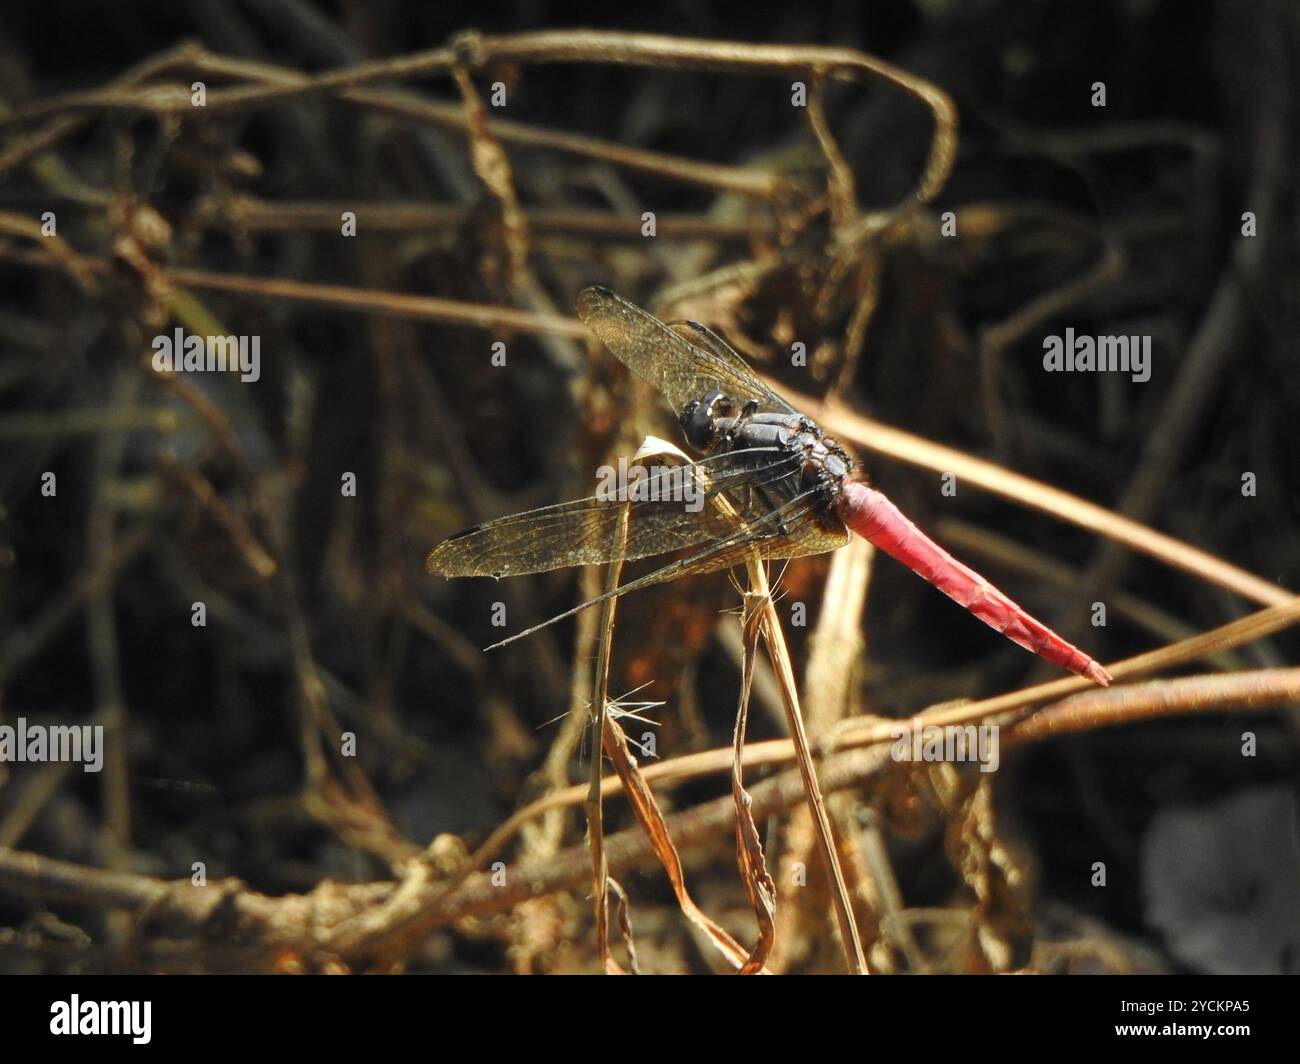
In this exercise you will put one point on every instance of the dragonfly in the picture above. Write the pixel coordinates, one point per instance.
(769, 483)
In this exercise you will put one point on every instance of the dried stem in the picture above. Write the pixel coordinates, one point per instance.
(780, 657)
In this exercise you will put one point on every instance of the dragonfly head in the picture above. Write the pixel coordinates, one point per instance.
(700, 417)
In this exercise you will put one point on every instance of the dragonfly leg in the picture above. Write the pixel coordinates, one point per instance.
(781, 528)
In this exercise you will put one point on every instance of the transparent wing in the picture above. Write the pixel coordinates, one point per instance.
(792, 530)
(683, 361)
(671, 508)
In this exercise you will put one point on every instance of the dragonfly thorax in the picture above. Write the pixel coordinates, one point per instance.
(718, 423)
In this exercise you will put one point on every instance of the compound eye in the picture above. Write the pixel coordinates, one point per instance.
(697, 423)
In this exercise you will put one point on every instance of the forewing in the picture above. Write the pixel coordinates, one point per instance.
(729, 489)
(681, 369)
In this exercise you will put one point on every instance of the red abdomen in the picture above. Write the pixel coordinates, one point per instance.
(872, 516)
